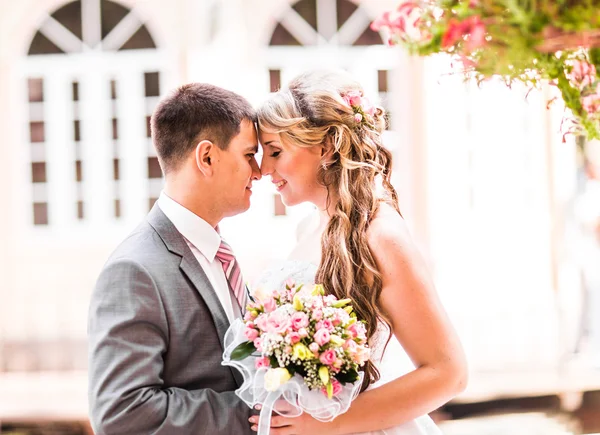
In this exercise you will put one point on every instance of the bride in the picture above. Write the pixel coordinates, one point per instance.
(322, 143)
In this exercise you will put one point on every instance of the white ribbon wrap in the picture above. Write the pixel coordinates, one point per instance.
(295, 392)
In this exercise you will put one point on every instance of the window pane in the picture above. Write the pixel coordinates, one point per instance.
(78, 171)
(369, 37)
(40, 213)
(152, 84)
(42, 45)
(115, 128)
(148, 126)
(38, 172)
(75, 91)
(382, 80)
(140, 39)
(282, 37)
(154, 168)
(76, 130)
(113, 90)
(275, 79)
(116, 166)
(36, 132)
(112, 13)
(70, 17)
(117, 208)
(345, 9)
(307, 9)
(36, 90)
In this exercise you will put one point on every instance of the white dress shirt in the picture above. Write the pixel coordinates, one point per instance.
(204, 242)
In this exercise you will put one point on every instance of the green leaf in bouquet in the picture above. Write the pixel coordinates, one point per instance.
(243, 351)
(273, 361)
(348, 377)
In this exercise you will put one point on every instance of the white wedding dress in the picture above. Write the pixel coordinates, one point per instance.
(391, 361)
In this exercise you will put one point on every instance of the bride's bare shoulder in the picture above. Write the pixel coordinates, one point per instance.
(388, 226)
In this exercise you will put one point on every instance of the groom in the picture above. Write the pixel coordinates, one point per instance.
(168, 293)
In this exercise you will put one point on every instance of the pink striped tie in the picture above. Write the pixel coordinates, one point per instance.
(233, 274)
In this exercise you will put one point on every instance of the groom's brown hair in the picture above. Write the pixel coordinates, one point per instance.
(196, 112)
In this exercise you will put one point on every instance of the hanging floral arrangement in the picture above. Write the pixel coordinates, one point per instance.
(524, 41)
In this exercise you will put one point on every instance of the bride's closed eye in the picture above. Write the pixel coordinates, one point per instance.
(275, 153)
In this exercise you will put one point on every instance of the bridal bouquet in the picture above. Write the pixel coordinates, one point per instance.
(298, 344)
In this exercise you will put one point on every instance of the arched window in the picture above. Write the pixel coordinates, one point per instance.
(330, 33)
(93, 77)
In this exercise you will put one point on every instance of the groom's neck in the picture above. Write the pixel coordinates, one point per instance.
(187, 195)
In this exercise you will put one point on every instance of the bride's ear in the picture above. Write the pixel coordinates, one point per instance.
(205, 157)
(327, 152)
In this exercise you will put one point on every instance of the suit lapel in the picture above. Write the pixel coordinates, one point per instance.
(191, 268)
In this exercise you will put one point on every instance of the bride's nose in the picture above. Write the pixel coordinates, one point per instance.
(266, 166)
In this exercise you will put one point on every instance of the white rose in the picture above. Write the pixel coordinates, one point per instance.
(274, 378)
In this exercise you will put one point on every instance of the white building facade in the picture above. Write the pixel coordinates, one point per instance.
(476, 169)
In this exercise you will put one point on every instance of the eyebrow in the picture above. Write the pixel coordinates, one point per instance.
(253, 148)
(270, 142)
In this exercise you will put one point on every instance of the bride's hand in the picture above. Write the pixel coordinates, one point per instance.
(301, 425)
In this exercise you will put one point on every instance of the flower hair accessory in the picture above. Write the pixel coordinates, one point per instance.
(364, 111)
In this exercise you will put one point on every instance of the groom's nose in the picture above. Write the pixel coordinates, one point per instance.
(256, 174)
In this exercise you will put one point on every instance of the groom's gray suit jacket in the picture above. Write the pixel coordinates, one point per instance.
(155, 332)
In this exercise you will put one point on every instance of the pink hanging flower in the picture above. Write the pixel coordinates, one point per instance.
(582, 74)
(453, 33)
(475, 31)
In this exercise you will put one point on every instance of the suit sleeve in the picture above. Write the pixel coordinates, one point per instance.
(127, 332)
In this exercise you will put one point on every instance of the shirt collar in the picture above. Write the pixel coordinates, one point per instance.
(191, 226)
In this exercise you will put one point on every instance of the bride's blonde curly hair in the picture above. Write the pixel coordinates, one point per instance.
(312, 111)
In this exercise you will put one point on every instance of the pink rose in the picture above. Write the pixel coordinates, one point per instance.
(453, 34)
(258, 344)
(357, 117)
(251, 333)
(337, 388)
(303, 332)
(262, 362)
(322, 337)
(261, 322)
(278, 323)
(327, 357)
(362, 355)
(294, 337)
(350, 346)
(270, 305)
(317, 314)
(313, 347)
(327, 324)
(299, 320)
(250, 315)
